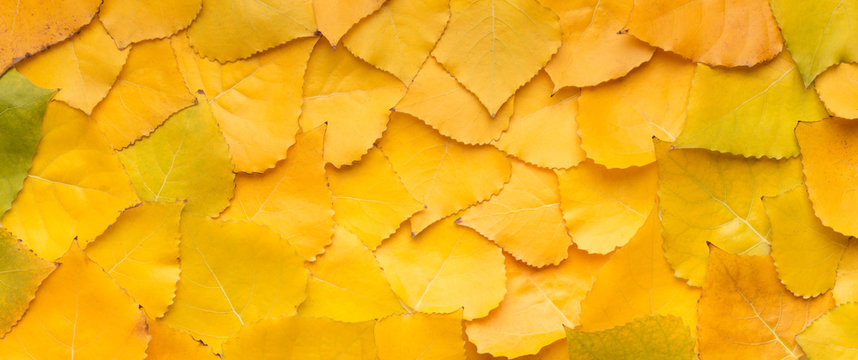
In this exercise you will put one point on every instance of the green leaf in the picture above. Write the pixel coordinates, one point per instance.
(22, 106)
(21, 272)
(187, 158)
(651, 337)
(818, 33)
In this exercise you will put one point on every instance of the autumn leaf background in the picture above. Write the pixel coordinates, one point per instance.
(428, 179)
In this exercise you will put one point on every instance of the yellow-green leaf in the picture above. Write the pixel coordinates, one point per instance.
(184, 159)
(21, 273)
(651, 338)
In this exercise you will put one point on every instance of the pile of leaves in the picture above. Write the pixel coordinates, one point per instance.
(428, 179)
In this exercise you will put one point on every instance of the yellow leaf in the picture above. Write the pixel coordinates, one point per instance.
(336, 17)
(228, 30)
(617, 120)
(297, 337)
(409, 29)
(637, 281)
(78, 313)
(141, 252)
(558, 350)
(352, 97)
(829, 156)
(746, 313)
(256, 101)
(346, 283)
(846, 283)
(805, 252)
(604, 208)
(442, 103)
(130, 21)
(233, 274)
(833, 335)
(83, 67)
(749, 111)
(420, 336)
(836, 88)
(524, 218)
(75, 189)
(495, 47)
(291, 198)
(539, 114)
(32, 25)
(184, 159)
(447, 176)
(708, 197)
(149, 89)
(592, 52)
(170, 344)
(538, 304)
(369, 199)
(651, 337)
(444, 268)
(715, 32)
(21, 273)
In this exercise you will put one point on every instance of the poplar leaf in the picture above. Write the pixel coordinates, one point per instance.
(21, 273)
(229, 282)
(32, 25)
(79, 312)
(75, 189)
(714, 32)
(447, 176)
(495, 47)
(652, 337)
(84, 67)
(184, 159)
(336, 17)
(170, 344)
(444, 268)
(846, 282)
(833, 335)
(22, 107)
(131, 21)
(837, 91)
(291, 198)
(420, 336)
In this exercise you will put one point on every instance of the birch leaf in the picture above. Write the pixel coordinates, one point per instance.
(406, 28)
(593, 48)
(495, 47)
(707, 197)
(346, 283)
(829, 158)
(336, 17)
(184, 159)
(21, 273)
(22, 107)
(292, 198)
(229, 282)
(420, 336)
(714, 32)
(444, 268)
(745, 311)
(637, 281)
(617, 120)
(447, 176)
(228, 30)
(805, 252)
(524, 218)
(352, 97)
(442, 103)
(141, 252)
(757, 118)
(131, 21)
(32, 25)
(369, 199)
(538, 304)
(817, 34)
(75, 189)
(149, 89)
(604, 208)
(83, 67)
(548, 116)
(256, 101)
(79, 312)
